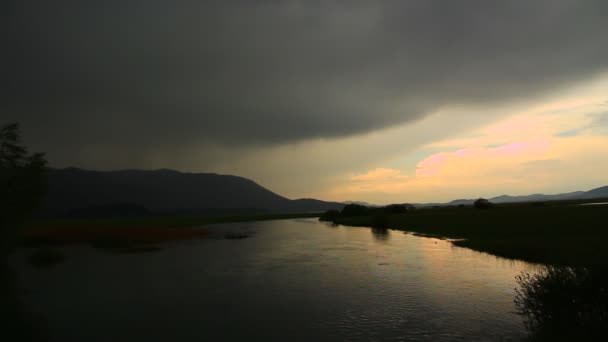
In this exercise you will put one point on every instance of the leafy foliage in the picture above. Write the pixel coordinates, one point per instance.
(564, 302)
(355, 210)
(380, 221)
(22, 182)
(330, 215)
(396, 209)
(482, 203)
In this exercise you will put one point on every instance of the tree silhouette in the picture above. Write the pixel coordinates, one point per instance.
(482, 203)
(354, 210)
(22, 183)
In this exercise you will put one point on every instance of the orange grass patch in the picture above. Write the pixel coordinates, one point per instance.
(128, 233)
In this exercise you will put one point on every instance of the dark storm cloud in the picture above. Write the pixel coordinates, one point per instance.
(153, 73)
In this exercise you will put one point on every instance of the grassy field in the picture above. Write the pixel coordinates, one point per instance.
(131, 231)
(562, 233)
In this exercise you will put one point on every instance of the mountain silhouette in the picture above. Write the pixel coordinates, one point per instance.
(537, 197)
(596, 193)
(84, 193)
(76, 191)
(601, 192)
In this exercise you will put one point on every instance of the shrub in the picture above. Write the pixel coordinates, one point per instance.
(566, 303)
(482, 203)
(330, 215)
(355, 210)
(395, 209)
(380, 221)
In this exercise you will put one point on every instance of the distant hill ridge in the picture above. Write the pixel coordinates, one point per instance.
(601, 192)
(167, 191)
(596, 193)
(79, 192)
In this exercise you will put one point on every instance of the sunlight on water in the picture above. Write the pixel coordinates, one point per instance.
(293, 280)
(599, 203)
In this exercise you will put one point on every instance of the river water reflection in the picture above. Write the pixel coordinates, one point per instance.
(292, 280)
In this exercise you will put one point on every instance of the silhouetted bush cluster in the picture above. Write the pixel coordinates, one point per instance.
(330, 215)
(564, 303)
(380, 221)
(355, 210)
(379, 216)
(482, 203)
(395, 209)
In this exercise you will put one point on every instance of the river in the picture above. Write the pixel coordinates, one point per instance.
(292, 280)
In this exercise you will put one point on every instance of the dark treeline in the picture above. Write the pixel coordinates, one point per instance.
(379, 215)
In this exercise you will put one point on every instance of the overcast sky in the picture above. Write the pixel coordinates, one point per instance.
(381, 101)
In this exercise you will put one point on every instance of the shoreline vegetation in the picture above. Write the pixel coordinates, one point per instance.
(120, 233)
(555, 233)
(124, 236)
(563, 233)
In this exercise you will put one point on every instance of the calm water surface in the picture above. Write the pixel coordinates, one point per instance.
(294, 280)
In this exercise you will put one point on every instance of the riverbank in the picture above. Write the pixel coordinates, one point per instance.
(131, 231)
(560, 234)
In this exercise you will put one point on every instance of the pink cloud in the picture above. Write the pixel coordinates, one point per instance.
(458, 164)
(379, 174)
(535, 160)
